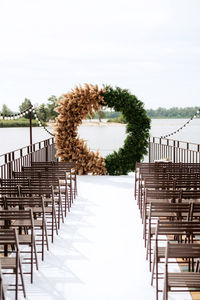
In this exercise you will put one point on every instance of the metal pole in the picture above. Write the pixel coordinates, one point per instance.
(149, 149)
(31, 135)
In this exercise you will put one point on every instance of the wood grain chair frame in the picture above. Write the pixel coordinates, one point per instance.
(64, 174)
(58, 178)
(54, 182)
(182, 231)
(143, 170)
(161, 196)
(166, 211)
(14, 182)
(2, 288)
(39, 218)
(9, 191)
(181, 281)
(49, 202)
(22, 220)
(12, 263)
(63, 165)
(176, 184)
(185, 197)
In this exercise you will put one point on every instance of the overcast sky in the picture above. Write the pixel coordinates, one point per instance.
(151, 47)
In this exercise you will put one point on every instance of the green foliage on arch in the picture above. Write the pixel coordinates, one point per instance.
(137, 129)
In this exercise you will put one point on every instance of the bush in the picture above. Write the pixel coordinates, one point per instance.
(120, 119)
(22, 122)
(138, 126)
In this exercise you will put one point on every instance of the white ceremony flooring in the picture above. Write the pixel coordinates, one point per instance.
(99, 253)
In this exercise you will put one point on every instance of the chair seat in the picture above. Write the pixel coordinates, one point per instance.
(164, 214)
(161, 252)
(24, 239)
(48, 209)
(38, 223)
(8, 262)
(37, 210)
(21, 222)
(184, 279)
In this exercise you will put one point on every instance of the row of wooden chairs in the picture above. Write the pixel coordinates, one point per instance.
(33, 203)
(173, 178)
(168, 196)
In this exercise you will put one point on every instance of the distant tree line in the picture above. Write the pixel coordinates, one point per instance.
(172, 113)
(159, 113)
(46, 111)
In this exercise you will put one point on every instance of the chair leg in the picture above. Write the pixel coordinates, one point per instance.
(153, 269)
(62, 214)
(46, 236)
(35, 252)
(156, 265)
(56, 224)
(22, 278)
(67, 200)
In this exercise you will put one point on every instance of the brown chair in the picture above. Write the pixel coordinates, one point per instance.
(164, 171)
(161, 196)
(12, 182)
(39, 218)
(181, 231)
(9, 240)
(49, 202)
(2, 288)
(9, 191)
(181, 281)
(23, 221)
(166, 211)
(66, 165)
(60, 180)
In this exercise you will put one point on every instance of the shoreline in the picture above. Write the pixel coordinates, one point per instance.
(97, 123)
(94, 123)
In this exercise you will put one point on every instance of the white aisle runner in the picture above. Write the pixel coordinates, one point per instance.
(99, 253)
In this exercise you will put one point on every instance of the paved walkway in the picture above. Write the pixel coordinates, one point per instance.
(99, 253)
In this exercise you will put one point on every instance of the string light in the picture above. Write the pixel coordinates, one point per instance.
(183, 126)
(16, 116)
(40, 123)
(24, 113)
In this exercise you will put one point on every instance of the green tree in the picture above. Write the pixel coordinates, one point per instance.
(5, 110)
(42, 112)
(51, 105)
(101, 115)
(25, 104)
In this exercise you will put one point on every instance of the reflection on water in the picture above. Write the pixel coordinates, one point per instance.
(104, 138)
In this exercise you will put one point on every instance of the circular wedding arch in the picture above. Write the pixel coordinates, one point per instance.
(74, 106)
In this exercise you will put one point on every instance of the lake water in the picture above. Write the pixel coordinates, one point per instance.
(103, 138)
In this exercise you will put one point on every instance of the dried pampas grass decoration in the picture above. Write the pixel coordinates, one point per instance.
(73, 108)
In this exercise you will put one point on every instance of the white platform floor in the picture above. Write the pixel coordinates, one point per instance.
(99, 253)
